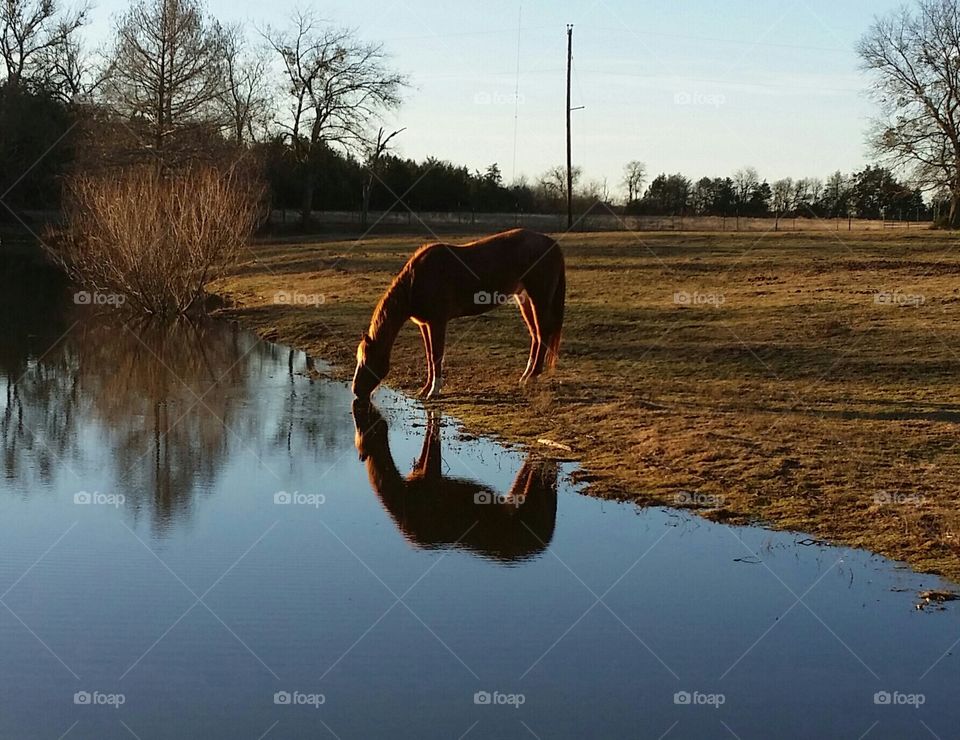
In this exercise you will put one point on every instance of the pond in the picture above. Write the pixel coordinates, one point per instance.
(200, 536)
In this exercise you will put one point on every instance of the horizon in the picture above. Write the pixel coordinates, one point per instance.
(702, 89)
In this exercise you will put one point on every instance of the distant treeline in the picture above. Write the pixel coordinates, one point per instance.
(436, 185)
(300, 109)
(872, 193)
(40, 135)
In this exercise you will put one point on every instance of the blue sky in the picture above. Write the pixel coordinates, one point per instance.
(690, 86)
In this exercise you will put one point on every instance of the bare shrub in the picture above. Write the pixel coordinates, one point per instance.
(155, 236)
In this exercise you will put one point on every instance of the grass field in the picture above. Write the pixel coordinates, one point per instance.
(807, 381)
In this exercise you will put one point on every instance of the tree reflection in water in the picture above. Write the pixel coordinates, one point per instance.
(163, 405)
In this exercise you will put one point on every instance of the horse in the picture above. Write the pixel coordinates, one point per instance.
(433, 511)
(445, 281)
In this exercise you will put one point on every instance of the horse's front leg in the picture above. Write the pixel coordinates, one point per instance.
(438, 337)
(425, 334)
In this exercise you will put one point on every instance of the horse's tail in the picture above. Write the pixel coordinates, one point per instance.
(557, 304)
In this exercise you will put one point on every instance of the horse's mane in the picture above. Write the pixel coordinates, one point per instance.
(394, 307)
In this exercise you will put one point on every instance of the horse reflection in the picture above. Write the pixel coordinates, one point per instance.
(433, 511)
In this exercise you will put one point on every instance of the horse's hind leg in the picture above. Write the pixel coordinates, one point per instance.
(530, 319)
(545, 324)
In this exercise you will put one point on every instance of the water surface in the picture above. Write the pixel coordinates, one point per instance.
(187, 531)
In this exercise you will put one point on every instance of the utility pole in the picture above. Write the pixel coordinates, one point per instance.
(569, 155)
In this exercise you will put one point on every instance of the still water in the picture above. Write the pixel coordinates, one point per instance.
(192, 546)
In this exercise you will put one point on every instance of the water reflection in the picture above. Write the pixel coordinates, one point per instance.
(171, 380)
(149, 410)
(200, 426)
(434, 510)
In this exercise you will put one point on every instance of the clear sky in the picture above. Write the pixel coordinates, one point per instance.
(693, 86)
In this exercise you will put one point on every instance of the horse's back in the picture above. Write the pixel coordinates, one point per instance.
(462, 280)
(523, 242)
(506, 253)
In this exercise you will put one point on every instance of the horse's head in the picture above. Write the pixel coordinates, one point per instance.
(373, 364)
(370, 430)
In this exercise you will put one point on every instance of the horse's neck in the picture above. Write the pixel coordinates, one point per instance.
(391, 314)
(382, 471)
(385, 334)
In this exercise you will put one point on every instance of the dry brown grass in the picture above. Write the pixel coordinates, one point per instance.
(799, 401)
(153, 237)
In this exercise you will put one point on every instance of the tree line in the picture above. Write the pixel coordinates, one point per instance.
(302, 106)
(872, 193)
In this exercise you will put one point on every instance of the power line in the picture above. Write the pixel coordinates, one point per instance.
(516, 98)
(569, 153)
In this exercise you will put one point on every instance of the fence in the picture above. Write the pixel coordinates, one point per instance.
(549, 222)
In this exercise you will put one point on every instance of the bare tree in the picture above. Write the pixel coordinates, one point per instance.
(166, 71)
(784, 192)
(914, 55)
(375, 152)
(597, 191)
(337, 86)
(246, 92)
(813, 192)
(802, 188)
(745, 180)
(29, 31)
(634, 175)
(553, 183)
(67, 69)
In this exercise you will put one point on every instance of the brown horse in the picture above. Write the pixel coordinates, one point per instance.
(435, 511)
(443, 281)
